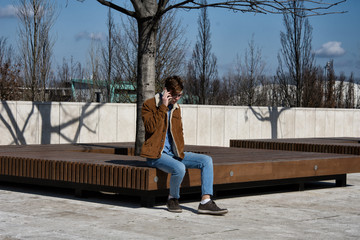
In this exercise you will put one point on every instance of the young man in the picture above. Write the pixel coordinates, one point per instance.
(164, 147)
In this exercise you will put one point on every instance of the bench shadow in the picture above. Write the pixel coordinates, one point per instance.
(276, 189)
(133, 163)
(106, 198)
(134, 202)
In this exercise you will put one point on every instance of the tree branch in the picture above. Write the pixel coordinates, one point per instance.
(266, 6)
(178, 5)
(117, 8)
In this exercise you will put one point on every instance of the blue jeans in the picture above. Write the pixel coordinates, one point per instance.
(177, 168)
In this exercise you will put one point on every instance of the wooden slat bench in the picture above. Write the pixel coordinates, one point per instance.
(113, 168)
(341, 145)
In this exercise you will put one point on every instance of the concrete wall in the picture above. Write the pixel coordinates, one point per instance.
(45, 123)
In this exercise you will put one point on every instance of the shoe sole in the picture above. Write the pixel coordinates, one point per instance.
(222, 212)
(174, 210)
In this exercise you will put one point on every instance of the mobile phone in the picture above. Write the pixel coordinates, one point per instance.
(163, 92)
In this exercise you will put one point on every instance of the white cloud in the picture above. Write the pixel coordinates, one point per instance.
(90, 36)
(8, 11)
(330, 50)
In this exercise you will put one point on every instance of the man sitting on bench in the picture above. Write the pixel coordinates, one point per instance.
(164, 147)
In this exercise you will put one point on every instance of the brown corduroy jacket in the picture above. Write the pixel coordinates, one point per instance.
(155, 118)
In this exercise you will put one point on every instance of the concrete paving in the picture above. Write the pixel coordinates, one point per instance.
(321, 212)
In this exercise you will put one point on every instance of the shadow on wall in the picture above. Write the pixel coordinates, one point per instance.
(272, 116)
(47, 129)
(12, 126)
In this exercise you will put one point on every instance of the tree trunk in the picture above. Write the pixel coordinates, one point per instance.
(145, 73)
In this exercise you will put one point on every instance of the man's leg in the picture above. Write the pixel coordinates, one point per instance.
(170, 165)
(205, 164)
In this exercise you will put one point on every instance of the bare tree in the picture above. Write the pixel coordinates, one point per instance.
(108, 52)
(125, 58)
(93, 79)
(296, 53)
(69, 69)
(170, 50)
(340, 86)
(148, 14)
(221, 92)
(349, 98)
(264, 91)
(251, 75)
(230, 88)
(190, 87)
(313, 90)
(9, 73)
(36, 20)
(274, 93)
(66, 72)
(330, 79)
(203, 60)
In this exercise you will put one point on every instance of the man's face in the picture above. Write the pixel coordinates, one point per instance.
(175, 96)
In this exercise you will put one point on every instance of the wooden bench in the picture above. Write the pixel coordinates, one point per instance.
(340, 145)
(113, 168)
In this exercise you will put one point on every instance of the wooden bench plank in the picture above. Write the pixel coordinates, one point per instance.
(324, 145)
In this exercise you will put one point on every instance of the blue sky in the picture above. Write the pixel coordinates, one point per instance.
(335, 37)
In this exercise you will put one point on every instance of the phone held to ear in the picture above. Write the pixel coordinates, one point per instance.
(169, 96)
(163, 93)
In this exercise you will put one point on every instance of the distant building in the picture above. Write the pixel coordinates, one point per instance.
(89, 90)
(51, 94)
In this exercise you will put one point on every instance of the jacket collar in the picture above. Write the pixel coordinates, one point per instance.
(158, 101)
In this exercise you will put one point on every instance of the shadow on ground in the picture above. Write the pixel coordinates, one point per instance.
(134, 201)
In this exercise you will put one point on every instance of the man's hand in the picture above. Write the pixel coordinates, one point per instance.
(166, 98)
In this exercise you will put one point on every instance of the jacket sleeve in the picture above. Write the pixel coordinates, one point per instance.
(152, 116)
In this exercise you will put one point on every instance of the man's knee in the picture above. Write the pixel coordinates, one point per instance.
(180, 170)
(208, 160)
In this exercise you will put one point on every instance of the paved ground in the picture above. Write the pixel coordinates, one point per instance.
(321, 212)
